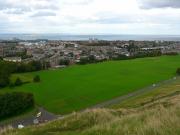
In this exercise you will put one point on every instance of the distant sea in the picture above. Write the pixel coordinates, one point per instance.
(87, 37)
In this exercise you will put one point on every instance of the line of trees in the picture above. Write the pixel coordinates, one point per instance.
(171, 53)
(89, 60)
(92, 59)
(7, 68)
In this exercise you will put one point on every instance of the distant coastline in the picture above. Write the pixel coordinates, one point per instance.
(70, 37)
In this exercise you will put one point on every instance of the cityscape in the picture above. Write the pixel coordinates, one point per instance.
(89, 67)
(57, 54)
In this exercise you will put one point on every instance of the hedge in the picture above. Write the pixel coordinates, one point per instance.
(15, 103)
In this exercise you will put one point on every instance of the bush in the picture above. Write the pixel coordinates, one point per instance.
(11, 84)
(178, 71)
(4, 80)
(84, 60)
(64, 62)
(171, 53)
(4, 74)
(15, 103)
(36, 79)
(18, 82)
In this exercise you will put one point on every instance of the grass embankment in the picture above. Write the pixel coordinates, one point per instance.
(78, 87)
(158, 119)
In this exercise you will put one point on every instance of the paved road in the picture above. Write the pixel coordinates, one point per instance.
(45, 117)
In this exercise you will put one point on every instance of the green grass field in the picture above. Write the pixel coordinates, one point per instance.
(162, 91)
(78, 87)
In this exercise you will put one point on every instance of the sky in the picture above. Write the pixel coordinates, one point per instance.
(154, 17)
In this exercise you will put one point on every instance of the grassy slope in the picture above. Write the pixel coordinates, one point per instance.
(154, 120)
(158, 93)
(77, 87)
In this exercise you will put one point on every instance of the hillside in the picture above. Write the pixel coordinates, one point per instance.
(161, 117)
(78, 87)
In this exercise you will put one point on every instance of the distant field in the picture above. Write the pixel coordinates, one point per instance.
(78, 87)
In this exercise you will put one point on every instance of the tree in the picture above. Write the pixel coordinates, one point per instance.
(36, 65)
(178, 71)
(18, 82)
(92, 59)
(15, 103)
(84, 60)
(4, 80)
(4, 77)
(64, 62)
(36, 79)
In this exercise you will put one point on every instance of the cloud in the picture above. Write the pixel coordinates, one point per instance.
(17, 11)
(149, 4)
(78, 2)
(43, 14)
(23, 6)
(90, 16)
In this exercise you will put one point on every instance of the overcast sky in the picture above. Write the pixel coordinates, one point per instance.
(90, 16)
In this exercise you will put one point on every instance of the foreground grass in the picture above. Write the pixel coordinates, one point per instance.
(78, 87)
(158, 119)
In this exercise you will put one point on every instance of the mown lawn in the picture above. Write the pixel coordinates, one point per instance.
(78, 87)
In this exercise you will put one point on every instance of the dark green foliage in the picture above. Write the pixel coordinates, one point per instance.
(89, 59)
(178, 71)
(171, 53)
(30, 67)
(92, 59)
(4, 80)
(11, 84)
(4, 77)
(121, 57)
(7, 68)
(36, 79)
(4, 74)
(64, 62)
(154, 53)
(15, 103)
(18, 82)
(138, 55)
(84, 60)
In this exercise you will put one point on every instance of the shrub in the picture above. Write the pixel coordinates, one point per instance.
(171, 53)
(15, 103)
(37, 78)
(4, 80)
(64, 62)
(18, 82)
(11, 84)
(178, 71)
